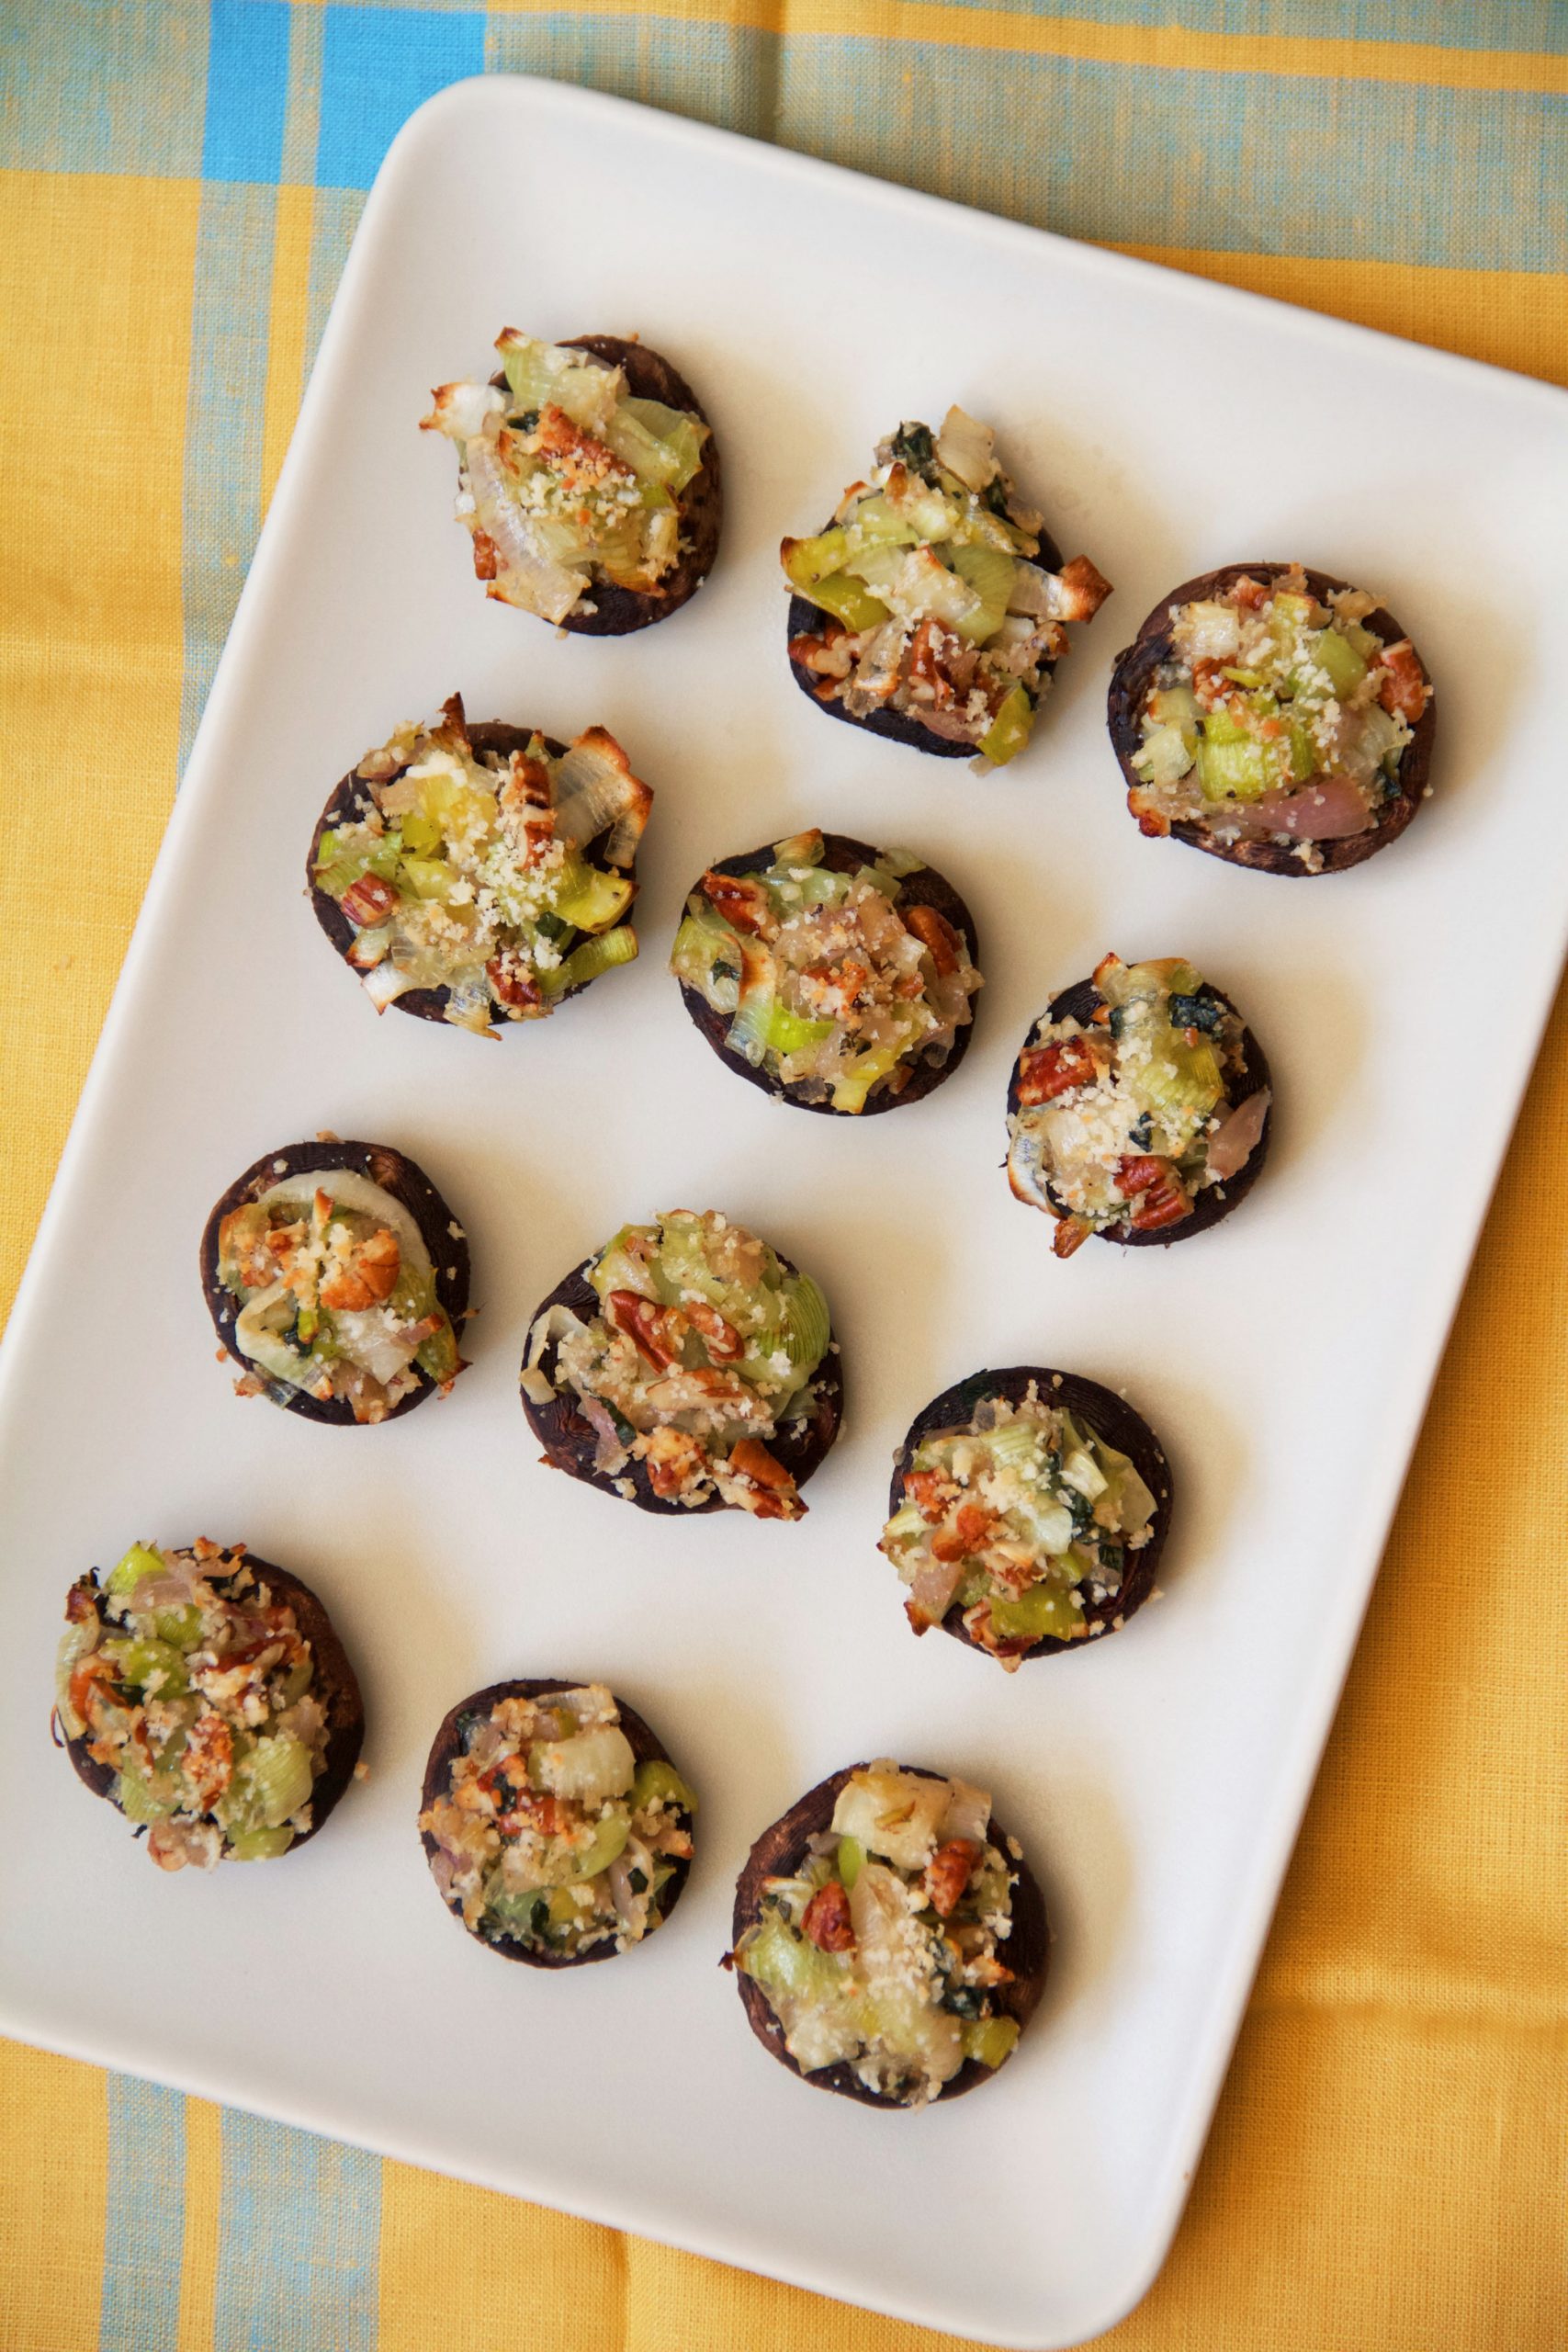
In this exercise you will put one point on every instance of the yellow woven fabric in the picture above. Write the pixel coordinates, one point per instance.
(1386, 2173)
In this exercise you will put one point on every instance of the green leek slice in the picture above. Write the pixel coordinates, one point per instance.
(1010, 729)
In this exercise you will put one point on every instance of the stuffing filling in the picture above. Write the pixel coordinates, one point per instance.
(195, 1687)
(834, 987)
(1276, 718)
(472, 872)
(550, 1833)
(879, 1952)
(565, 478)
(1022, 1520)
(705, 1349)
(336, 1295)
(931, 603)
(1123, 1120)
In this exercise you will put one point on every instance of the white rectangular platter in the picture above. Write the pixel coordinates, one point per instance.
(1165, 425)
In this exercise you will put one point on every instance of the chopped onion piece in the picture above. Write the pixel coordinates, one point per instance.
(967, 448)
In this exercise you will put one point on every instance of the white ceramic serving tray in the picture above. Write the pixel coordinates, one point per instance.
(1165, 425)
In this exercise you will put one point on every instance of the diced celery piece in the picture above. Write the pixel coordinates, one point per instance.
(863, 1073)
(456, 808)
(1233, 770)
(1046, 1612)
(260, 1845)
(593, 902)
(848, 600)
(1368, 644)
(990, 2040)
(658, 1777)
(561, 1909)
(181, 1628)
(139, 1562)
(849, 1857)
(518, 1913)
(784, 1962)
(905, 1526)
(427, 877)
(1175, 707)
(990, 573)
(600, 954)
(1338, 659)
(421, 834)
(608, 1842)
(1164, 755)
(437, 1355)
(1245, 677)
(1010, 729)
(1302, 749)
(337, 870)
(146, 1662)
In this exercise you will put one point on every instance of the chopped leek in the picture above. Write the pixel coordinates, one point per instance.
(658, 1779)
(1233, 771)
(849, 1857)
(139, 1562)
(592, 901)
(1046, 1613)
(805, 1328)
(990, 2040)
(763, 1025)
(1337, 657)
(585, 963)
(1010, 729)
(990, 573)
(848, 600)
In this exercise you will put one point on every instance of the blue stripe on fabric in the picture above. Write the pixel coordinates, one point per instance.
(224, 412)
(247, 90)
(144, 2219)
(377, 64)
(90, 86)
(298, 2242)
(1237, 163)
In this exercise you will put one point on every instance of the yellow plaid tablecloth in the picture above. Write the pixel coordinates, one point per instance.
(178, 182)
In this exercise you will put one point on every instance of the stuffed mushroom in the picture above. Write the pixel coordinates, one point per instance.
(889, 1938)
(588, 478)
(336, 1277)
(207, 1695)
(480, 874)
(1139, 1109)
(833, 975)
(688, 1367)
(1027, 1513)
(1273, 716)
(555, 1827)
(931, 607)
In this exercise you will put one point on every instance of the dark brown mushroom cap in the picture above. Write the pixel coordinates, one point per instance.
(1080, 1003)
(780, 1852)
(569, 1443)
(926, 887)
(334, 1685)
(1134, 674)
(807, 619)
(396, 1174)
(352, 800)
(447, 1747)
(617, 611)
(1112, 1417)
